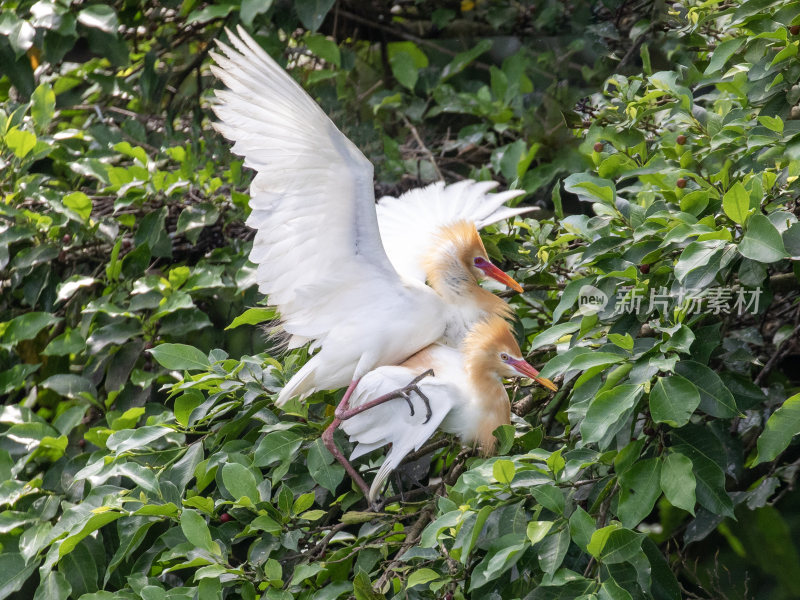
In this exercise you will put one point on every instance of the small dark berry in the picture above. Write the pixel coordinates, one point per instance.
(794, 29)
(598, 147)
(449, 595)
(62, 256)
(66, 239)
(148, 345)
(644, 269)
(81, 443)
(681, 140)
(126, 243)
(224, 518)
(681, 183)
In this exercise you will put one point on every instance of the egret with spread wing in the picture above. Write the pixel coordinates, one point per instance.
(318, 246)
(466, 395)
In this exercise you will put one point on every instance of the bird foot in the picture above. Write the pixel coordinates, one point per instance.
(405, 394)
(343, 413)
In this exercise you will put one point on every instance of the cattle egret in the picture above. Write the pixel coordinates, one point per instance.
(465, 397)
(318, 247)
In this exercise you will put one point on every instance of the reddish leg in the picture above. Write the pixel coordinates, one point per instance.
(344, 412)
(330, 444)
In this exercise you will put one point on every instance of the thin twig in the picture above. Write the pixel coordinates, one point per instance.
(425, 150)
(412, 537)
(780, 351)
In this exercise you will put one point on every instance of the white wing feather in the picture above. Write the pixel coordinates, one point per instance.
(408, 224)
(317, 245)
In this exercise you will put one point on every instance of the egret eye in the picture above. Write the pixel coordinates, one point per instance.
(504, 357)
(479, 262)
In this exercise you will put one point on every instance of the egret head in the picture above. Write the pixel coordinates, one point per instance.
(461, 242)
(491, 347)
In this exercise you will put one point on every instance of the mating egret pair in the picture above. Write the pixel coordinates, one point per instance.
(349, 276)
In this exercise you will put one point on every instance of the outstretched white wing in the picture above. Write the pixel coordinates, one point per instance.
(317, 246)
(408, 224)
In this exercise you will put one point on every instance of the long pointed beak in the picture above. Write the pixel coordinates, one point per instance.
(498, 275)
(523, 368)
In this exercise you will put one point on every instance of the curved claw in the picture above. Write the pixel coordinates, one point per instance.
(427, 403)
(407, 397)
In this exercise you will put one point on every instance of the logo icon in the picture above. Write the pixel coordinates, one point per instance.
(591, 300)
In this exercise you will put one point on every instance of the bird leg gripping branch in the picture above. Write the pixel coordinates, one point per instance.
(344, 412)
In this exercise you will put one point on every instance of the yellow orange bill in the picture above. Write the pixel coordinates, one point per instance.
(499, 275)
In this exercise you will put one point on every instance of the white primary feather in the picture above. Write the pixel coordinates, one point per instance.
(317, 245)
(409, 223)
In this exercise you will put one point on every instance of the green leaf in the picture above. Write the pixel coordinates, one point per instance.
(715, 399)
(266, 523)
(773, 123)
(25, 327)
(99, 16)
(276, 446)
(503, 471)
(673, 399)
(623, 341)
(324, 469)
(788, 51)
(303, 503)
(463, 59)
(614, 544)
(362, 587)
(608, 412)
(54, 587)
(180, 357)
(611, 591)
(722, 53)
(304, 571)
(762, 241)
(639, 490)
(404, 69)
(80, 203)
(581, 527)
(552, 550)
(16, 570)
(70, 386)
(253, 316)
(95, 522)
(313, 12)
(196, 530)
(186, 403)
(705, 451)
(781, 427)
(554, 333)
(252, 8)
(20, 141)
(43, 106)
(421, 576)
(240, 482)
(678, 481)
(696, 255)
(325, 49)
(537, 530)
(592, 189)
(736, 203)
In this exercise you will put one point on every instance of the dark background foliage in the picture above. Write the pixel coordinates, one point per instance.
(140, 452)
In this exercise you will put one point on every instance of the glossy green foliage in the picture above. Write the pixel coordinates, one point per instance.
(141, 454)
